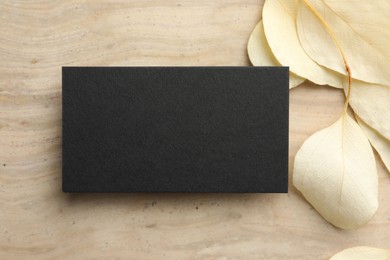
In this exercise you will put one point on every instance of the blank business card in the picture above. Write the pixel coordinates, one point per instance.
(175, 129)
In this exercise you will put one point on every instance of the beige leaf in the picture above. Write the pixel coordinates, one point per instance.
(260, 53)
(362, 253)
(359, 15)
(372, 104)
(381, 144)
(315, 25)
(281, 33)
(335, 171)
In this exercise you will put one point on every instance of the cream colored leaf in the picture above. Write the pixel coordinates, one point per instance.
(260, 53)
(372, 104)
(381, 144)
(370, 19)
(362, 253)
(281, 33)
(315, 25)
(335, 171)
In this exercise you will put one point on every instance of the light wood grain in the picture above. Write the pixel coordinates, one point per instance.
(38, 221)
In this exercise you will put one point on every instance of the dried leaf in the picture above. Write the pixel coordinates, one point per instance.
(362, 253)
(260, 53)
(371, 102)
(366, 62)
(281, 33)
(381, 144)
(359, 15)
(335, 171)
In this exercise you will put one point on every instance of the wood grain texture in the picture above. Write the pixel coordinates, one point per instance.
(38, 221)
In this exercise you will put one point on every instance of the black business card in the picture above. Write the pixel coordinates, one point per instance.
(175, 129)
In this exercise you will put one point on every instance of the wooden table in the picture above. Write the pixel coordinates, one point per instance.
(38, 221)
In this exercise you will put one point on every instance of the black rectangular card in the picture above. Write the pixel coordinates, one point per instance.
(175, 129)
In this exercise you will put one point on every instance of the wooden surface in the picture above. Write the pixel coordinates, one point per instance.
(38, 221)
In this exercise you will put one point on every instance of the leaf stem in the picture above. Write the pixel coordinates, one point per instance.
(349, 73)
(347, 68)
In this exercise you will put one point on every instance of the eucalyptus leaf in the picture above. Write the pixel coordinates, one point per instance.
(380, 143)
(281, 34)
(316, 22)
(362, 253)
(371, 102)
(260, 53)
(335, 171)
(369, 18)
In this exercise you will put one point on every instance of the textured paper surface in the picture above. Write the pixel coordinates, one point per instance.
(175, 129)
